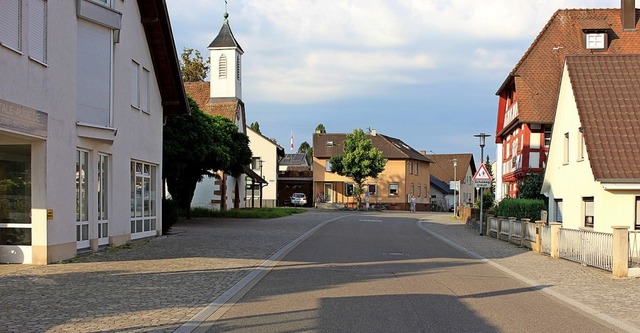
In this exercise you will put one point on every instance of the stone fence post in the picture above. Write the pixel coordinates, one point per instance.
(555, 239)
(538, 244)
(620, 251)
(523, 230)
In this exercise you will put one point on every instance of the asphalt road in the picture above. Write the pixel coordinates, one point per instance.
(382, 273)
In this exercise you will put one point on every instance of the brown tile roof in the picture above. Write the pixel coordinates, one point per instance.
(607, 93)
(537, 75)
(442, 166)
(391, 148)
(230, 107)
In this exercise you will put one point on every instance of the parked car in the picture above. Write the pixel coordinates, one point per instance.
(298, 199)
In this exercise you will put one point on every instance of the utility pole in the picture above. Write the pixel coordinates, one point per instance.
(482, 137)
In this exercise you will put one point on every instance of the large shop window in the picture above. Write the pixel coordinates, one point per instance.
(143, 199)
(15, 195)
(94, 73)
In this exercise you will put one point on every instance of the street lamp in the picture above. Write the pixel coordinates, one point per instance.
(455, 164)
(260, 183)
(482, 136)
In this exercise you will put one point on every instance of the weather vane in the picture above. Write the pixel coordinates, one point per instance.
(226, 14)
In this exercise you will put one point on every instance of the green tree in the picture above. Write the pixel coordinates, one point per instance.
(198, 145)
(487, 165)
(306, 149)
(193, 69)
(359, 161)
(320, 129)
(530, 186)
(255, 127)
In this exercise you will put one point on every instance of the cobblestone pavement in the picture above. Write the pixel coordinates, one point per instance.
(153, 286)
(157, 285)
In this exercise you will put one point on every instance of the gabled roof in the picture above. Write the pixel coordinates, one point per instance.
(279, 149)
(154, 17)
(538, 73)
(442, 166)
(225, 38)
(607, 93)
(327, 145)
(440, 185)
(228, 107)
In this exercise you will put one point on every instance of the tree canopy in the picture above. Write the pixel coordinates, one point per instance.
(306, 149)
(193, 69)
(255, 127)
(198, 145)
(359, 161)
(531, 186)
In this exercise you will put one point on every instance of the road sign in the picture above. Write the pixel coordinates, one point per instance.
(482, 174)
(482, 178)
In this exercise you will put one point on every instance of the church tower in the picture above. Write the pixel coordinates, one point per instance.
(226, 64)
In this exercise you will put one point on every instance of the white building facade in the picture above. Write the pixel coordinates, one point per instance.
(266, 155)
(81, 114)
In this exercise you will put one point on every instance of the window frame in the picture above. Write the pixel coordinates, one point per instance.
(394, 189)
(40, 39)
(557, 207)
(588, 212)
(14, 36)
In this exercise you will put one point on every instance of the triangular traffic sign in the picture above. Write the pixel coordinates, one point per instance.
(482, 173)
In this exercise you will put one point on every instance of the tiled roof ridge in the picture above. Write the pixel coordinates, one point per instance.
(542, 33)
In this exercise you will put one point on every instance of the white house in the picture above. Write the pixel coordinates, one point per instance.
(222, 96)
(266, 155)
(593, 173)
(84, 89)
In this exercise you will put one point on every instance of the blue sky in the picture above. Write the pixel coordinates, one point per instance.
(423, 71)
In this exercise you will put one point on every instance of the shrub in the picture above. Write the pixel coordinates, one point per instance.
(170, 215)
(521, 208)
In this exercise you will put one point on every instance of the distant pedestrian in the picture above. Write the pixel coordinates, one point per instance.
(413, 203)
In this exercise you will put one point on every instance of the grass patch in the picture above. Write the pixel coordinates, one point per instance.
(246, 213)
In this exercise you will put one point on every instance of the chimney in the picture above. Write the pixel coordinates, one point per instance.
(374, 132)
(423, 152)
(628, 15)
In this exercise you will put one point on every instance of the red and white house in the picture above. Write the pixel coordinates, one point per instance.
(528, 96)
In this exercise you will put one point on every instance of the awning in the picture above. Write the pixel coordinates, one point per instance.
(252, 174)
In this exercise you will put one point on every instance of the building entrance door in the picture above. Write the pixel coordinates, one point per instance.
(328, 192)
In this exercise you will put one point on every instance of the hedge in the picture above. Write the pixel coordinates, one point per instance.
(521, 208)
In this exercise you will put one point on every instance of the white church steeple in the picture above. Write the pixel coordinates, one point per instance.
(226, 63)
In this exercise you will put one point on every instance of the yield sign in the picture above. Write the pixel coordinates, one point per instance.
(482, 174)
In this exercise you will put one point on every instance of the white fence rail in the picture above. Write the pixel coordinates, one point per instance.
(587, 247)
(546, 239)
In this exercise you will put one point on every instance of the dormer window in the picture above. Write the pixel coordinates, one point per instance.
(595, 40)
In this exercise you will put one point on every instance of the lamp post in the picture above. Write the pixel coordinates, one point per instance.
(260, 183)
(455, 164)
(482, 136)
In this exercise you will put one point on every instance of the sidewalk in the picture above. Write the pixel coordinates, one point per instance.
(157, 285)
(615, 300)
(154, 286)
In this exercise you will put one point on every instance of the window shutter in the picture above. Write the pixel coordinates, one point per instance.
(144, 90)
(135, 84)
(10, 14)
(94, 73)
(38, 30)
